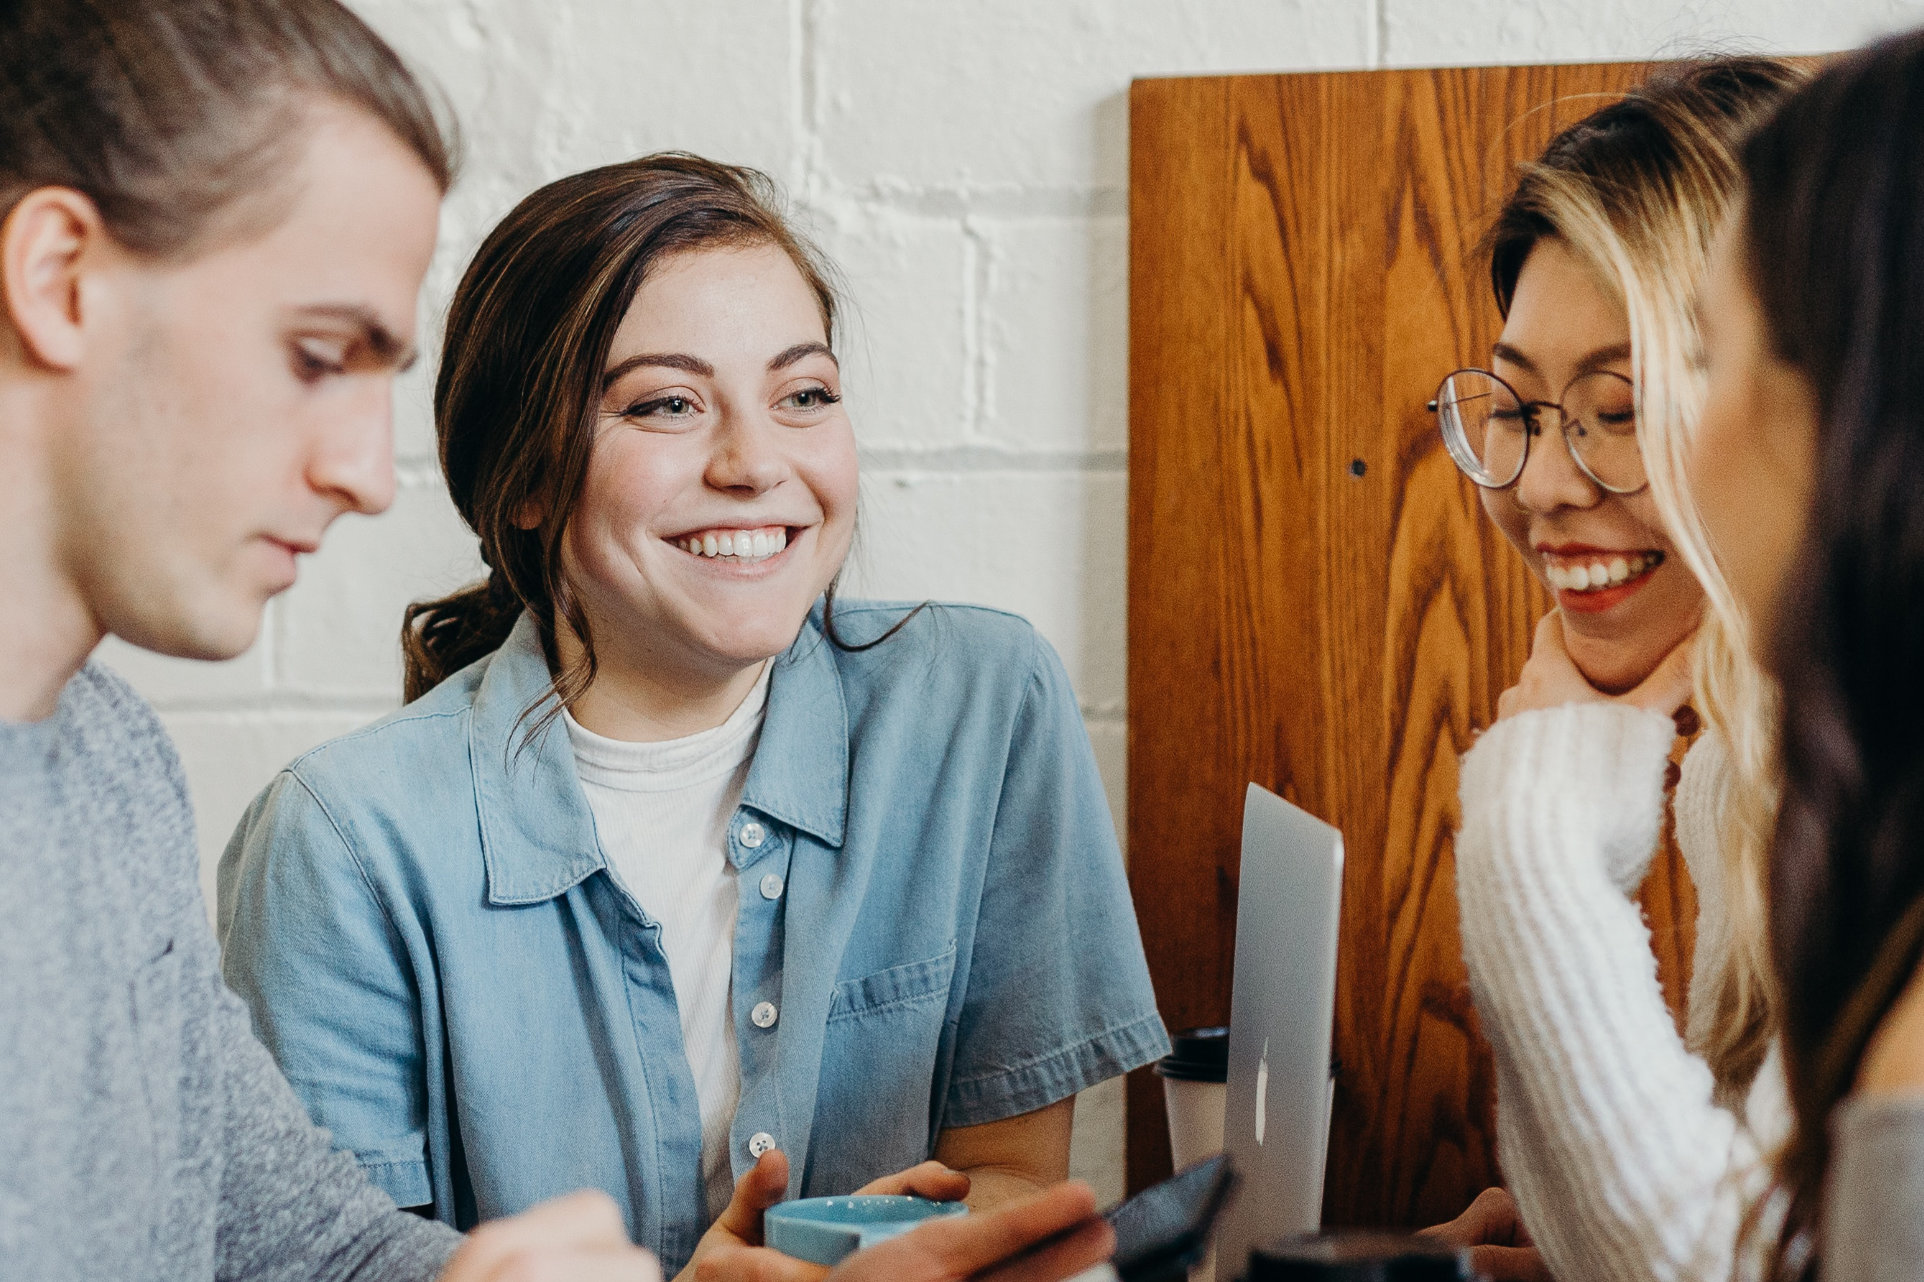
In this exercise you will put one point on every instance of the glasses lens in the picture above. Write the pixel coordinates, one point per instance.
(1602, 429)
(1483, 426)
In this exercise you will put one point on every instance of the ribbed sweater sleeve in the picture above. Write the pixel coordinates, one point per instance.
(1622, 1164)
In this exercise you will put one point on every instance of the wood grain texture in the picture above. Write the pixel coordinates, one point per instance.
(1316, 601)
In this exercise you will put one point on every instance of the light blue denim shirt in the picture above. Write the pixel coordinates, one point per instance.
(427, 930)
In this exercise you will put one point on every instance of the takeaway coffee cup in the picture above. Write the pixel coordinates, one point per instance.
(1195, 1086)
(1360, 1257)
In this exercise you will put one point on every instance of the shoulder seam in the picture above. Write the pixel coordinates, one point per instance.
(890, 607)
(388, 722)
(1036, 664)
(353, 856)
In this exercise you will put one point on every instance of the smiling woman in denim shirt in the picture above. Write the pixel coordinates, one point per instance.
(675, 866)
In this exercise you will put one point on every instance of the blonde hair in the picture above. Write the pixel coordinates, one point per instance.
(1638, 190)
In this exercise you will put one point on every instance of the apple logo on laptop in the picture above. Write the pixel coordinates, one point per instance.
(1262, 1092)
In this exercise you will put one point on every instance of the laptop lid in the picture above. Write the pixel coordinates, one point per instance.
(1276, 1124)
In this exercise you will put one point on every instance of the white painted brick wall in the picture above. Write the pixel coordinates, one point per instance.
(965, 162)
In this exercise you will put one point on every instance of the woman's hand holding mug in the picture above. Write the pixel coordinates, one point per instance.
(736, 1235)
(1053, 1235)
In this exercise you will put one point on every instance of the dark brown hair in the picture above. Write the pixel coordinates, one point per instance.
(519, 392)
(174, 115)
(1834, 251)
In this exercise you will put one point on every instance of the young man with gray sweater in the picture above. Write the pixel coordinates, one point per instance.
(217, 217)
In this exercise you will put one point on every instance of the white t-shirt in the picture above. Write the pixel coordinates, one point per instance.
(662, 812)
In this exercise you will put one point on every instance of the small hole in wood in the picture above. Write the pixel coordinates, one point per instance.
(1357, 467)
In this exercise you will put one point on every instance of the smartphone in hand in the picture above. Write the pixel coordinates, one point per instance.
(1162, 1232)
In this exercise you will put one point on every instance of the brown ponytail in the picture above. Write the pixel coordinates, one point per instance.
(515, 404)
(442, 637)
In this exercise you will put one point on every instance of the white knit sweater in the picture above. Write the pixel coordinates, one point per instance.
(1623, 1162)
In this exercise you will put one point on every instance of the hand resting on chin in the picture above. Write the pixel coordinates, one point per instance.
(1551, 678)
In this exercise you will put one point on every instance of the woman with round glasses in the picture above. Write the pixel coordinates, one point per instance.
(1488, 425)
(1632, 1152)
(1584, 515)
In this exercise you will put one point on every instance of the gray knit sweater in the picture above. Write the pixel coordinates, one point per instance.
(1874, 1204)
(144, 1132)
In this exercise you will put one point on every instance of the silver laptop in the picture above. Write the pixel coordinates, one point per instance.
(1276, 1125)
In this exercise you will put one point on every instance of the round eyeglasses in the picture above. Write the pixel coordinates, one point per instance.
(1487, 428)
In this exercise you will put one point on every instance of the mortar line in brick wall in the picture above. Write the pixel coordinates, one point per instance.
(808, 88)
(975, 459)
(975, 344)
(418, 473)
(965, 202)
(797, 175)
(276, 705)
(273, 644)
(269, 640)
(411, 465)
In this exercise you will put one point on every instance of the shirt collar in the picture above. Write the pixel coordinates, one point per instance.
(800, 772)
(537, 833)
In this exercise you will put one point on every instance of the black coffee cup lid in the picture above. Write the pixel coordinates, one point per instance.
(1197, 1055)
(1360, 1257)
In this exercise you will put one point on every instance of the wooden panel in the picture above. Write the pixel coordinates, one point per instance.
(1316, 601)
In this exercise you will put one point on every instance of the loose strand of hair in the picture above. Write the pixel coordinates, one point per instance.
(833, 633)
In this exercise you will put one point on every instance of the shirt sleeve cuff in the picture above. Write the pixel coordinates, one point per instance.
(405, 1181)
(1042, 1082)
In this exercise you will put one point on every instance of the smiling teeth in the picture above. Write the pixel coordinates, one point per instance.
(1601, 572)
(741, 545)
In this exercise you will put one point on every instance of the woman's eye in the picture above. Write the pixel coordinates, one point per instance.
(810, 398)
(313, 362)
(662, 407)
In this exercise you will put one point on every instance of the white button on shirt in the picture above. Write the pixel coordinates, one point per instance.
(764, 1015)
(759, 1143)
(662, 816)
(753, 834)
(772, 886)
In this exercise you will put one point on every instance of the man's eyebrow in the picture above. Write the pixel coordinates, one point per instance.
(661, 360)
(789, 355)
(388, 347)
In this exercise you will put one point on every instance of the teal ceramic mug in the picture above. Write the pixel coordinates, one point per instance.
(826, 1229)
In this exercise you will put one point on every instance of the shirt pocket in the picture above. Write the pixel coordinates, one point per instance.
(875, 1100)
(157, 1010)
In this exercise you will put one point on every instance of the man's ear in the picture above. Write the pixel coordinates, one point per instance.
(42, 245)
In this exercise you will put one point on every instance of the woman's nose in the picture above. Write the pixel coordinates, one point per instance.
(1551, 478)
(747, 458)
